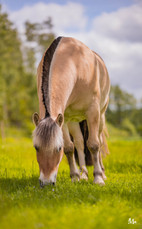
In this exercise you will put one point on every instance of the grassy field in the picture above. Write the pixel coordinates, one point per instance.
(23, 204)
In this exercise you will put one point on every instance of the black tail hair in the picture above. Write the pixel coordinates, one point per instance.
(88, 157)
(104, 146)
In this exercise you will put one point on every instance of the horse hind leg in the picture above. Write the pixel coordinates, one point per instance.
(102, 166)
(75, 131)
(103, 143)
(69, 151)
(93, 142)
(104, 147)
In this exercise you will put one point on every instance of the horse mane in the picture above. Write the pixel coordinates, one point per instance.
(45, 74)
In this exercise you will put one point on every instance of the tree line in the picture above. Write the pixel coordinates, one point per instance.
(18, 93)
(124, 111)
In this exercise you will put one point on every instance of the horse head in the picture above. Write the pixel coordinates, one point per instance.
(48, 142)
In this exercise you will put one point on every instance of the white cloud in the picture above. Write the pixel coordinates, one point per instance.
(120, 43)
(124, 24)
(116, 36)
(69, 16)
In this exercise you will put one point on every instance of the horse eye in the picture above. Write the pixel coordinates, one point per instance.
(36, 148)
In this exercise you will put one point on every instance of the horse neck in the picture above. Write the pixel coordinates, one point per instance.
(60, 91)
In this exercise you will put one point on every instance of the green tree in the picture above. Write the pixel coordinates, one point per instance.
(29, 59)
(10, 62)
(17, 85)
(120, 101)
(41, 33)
(18, 93)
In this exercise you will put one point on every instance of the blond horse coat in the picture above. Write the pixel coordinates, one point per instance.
(73, 85)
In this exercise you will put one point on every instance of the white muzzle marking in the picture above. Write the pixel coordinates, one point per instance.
(50, 180)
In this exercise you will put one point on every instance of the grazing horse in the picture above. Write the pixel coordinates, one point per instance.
(73, 85)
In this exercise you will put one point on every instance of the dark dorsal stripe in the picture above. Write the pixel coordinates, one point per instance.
(45, 75)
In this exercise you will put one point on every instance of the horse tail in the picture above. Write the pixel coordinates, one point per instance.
(85, 133)
(104, 146)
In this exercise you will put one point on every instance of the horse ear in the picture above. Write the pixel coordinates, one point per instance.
(36, 118)
(59, 119)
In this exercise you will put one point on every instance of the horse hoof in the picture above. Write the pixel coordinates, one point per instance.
(104, 176)
(99, 180)
(83, 173)
(75, 178)
(83, 176)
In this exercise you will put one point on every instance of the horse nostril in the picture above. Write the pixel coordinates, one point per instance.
(53, 183)
(41, 183)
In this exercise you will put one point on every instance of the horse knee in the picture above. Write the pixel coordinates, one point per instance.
(93, 147)
(69, 149)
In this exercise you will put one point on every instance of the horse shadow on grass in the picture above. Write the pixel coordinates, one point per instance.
(27, 191)
(10, 185)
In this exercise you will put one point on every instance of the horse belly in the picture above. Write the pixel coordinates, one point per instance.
(71, 115)
(76, 111)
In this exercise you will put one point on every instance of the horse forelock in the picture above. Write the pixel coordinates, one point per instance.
(48, 135)
(48, 56)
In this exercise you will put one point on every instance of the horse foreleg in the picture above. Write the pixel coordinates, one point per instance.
(93, 142)
(75, 131)
(69, 151)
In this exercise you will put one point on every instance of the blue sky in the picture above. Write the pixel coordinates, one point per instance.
(113, 28)
(92, 7)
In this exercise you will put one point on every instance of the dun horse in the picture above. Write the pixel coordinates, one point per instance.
(73, 85)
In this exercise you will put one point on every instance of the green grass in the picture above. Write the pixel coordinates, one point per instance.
(23, 204)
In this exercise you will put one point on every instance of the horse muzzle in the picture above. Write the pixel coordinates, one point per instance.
(51, 180)
(42, 184)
